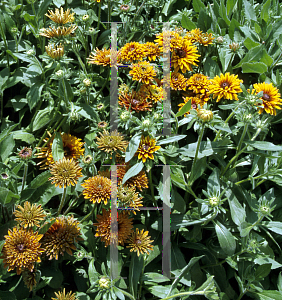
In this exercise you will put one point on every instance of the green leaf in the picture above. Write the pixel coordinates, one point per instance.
(269, 295)
(167, 7)
(213, 183)
(261, 260)
(4, 75)
(88, 112)
(249, 11)
(267, 146)
(7, 147)
(279, 282)
(171, 139)
(46, 227)
(7, 131)
(23, 136)
(135, 270)
(254, 67)
(132, 147)
(34, 93)
(265, 11)
(65, 90)
(184, 109)
(6, 196)
(223, 12)
(137, 168)
(92, 273)
(238, 213)
(211, 68)
(274, 226)
(7, 295)
(59, 3)
(42, 118)
(155, 277)
(57, 147)
(199, 169)
(103, 38)
(262, 271)
(118, 293)
(226, 239)
(197, 5)
(249, 43)
(39, 180)
(44, 7)
(187, 23)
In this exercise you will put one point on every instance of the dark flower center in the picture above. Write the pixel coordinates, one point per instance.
(225, 84)
(135, 102)
(20, 247)
(138, 242)
(194, 106)
(266, 97)
(146, 147)
(67, 151)
(4, 175)
(181, 53)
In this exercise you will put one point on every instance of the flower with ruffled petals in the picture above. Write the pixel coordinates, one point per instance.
(152, 51)
(175, 41)
(199, 84)
(226, 86)
(142, 72)
(100, 57)
(140, 242)
(205, 39)
(53, 32)
(132, 51)
(111, 141)
(134, 101)
(146, 148)
(60, 16)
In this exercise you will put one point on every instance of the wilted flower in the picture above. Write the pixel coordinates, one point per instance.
(25, 153)
(102, 124)
(87, 159)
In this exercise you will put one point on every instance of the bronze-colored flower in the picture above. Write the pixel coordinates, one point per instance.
(152, 92)
(142, 72)
(100, 57)
(29, 278)
(53, 32)
(72, 149)
(60, 16)
(65, 172)
(140, 242)
(128, 198)
(29, 215)
(64, 296)
(111, 141)
(61, 237)
(199, 84)
(146, 148)
(271, 98)
(178, 82)
(185, 56)
(25, 153)
(132, 52)
(104, 227)
(226, 86)
(55, 52)
(134, 101)
(21, 249)
(97, 189)
(140, 181)
(152, 51)
(205, 39)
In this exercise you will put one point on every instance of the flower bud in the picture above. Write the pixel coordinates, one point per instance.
(146, 123)
(234, 46)
(87, 159)
(85, 18)
(104, 283)
(125, 115)
(205, 115)
(60, 73)
(219, 39)
(30, 52)
(4, 176)
(25, 153)
(100, 106)
(214, 201)
(91, 30)
(87, 82)
(124, 7)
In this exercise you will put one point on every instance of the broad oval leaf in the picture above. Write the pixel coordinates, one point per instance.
(133, 171)
(132, 147)
(57, 147)
(226, 239)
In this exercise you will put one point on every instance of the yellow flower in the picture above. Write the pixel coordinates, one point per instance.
(142, 72)
(52, 32)
(152, 51)
(270, 99)
(61, 237)
(184, 56)
(111, 141)
(97, 189)
(146, 147)
(21, 249)
(100, 57)
(128, 198)
(29, 216)
(134, 101)
(199, 84)
(140, 181)
(174, 37)
(55, 52)
(153, 92)
(64, 296)
(178, 82)
(132, 51)
(140, 242)
(226, 86)
(205, 39)
(195, 101)
(72, 149)
(60, 16)
(193, 35)
(65, 172)
(104, 227)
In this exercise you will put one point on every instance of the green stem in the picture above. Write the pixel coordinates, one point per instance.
(98, 25)
(240, 152)
(196, 154)
(24, 176)
(241, 295)
(141, 281)
(65, 92)
(89, 215)
(6, 45)
(248, 179)
(71, 204)
(127, 294)
(241, 141)
(229, 117)
(62, 200)
(185, 294)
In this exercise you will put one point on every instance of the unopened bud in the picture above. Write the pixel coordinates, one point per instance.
(234, 46)
(85, 18)
(87, 82)
(124, 7)
(104, 283)
(205, 115)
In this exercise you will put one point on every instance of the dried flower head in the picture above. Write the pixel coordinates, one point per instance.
(146, 148)
(65, 172)
(55, 52)
(61, 237)
(97, 189)
(25, 153)
(111, 141)
(226, 86)
(29, 278)
(29, 215)
(21, 249)
(72, 149)
(104, 227)
(60, 16)
(64, 296)
(140, 242)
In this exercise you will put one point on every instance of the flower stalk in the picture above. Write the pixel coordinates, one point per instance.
(62, 200)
